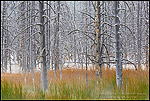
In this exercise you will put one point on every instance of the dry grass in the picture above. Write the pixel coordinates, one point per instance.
(68, 75)
(73, 86)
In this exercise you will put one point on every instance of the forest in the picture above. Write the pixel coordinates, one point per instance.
(75, 50)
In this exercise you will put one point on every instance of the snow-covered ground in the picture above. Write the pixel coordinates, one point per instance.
(16, 68)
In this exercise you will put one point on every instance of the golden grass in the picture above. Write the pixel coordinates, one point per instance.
(136, 82)
(67, 75)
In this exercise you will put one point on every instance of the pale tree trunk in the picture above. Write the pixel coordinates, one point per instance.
(78, 66)
(139, 34)
(25, 62)
(119, 80)
(134, 37)
(62, 63)
(126, 39)
(30, 41)
(97, 37)
(5, 34)
(10, 61)
(33, 50)
(9, 52)
(22, 37)
(27, 35)
(49, 26)
(47, 37)
(74, 37)
(54, 50)
(42, 49)
(101, 43)
(91, 41)
(57, 40)
(147, 37)
(57, 36)
(21, 53)
(86, 47)
(2, 36)
(82, 56)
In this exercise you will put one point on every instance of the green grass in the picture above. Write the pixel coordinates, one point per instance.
(135, 87)
(11, 91)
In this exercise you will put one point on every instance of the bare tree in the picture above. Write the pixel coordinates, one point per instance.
(119, 80)
(42, 48)
(97, 36)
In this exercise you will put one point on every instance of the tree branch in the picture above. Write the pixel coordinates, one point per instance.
(130, 63)
(87, 14)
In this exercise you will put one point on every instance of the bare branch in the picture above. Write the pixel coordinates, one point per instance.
(25, 12)
(31, 36)
(22, 31)
(88, 15)
(93, 5)
(50, 7)
(130, 63)
(14, 9)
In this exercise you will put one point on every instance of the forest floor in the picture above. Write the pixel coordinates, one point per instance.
(73, 85)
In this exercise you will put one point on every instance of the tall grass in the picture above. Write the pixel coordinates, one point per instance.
(135, 86)
(10, 91)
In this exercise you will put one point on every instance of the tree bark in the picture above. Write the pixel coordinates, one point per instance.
(119, 80)
(147, 38)
(97, 37)
(4, 34)
(42, 49)
(57, 39)
(139, 35)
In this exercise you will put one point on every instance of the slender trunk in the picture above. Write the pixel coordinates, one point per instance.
(74, 38)
(21, 53)
(33, 31)
(57, 40)
(5, 53)
(147, 48)
(61, 66)
(119, 80)
(2, 59)
(42, 48)
(82, 63)
(22, 37)
(147, 38)
(138, 41)
(10, 61)
(31, 46)
(25, 69)
(4, 33)
(49, 35)
(126, 39)
(97, 37)
(86, 47)
(86, 68)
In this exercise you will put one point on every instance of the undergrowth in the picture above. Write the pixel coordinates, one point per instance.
(73, 86)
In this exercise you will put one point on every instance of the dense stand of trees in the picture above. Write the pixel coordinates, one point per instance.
(48, 34)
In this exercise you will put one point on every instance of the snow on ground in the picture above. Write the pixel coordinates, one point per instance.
(15, 68)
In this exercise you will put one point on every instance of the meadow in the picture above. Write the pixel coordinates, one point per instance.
(73, 85)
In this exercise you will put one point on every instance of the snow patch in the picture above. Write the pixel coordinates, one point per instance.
(15, 68)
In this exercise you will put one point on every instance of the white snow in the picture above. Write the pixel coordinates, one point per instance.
(15, 68)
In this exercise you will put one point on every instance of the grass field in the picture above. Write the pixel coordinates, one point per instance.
(73, 85)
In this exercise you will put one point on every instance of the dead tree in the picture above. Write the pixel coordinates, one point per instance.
(42, 48)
